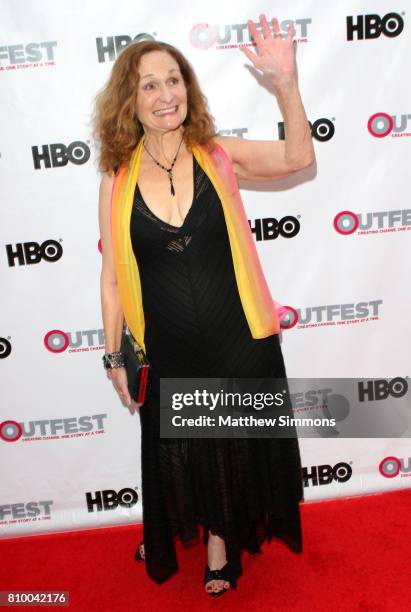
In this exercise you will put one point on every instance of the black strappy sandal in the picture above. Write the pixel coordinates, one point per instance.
(219, 574)
(138, 556)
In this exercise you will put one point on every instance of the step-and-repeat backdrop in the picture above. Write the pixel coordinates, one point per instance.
(333, 240)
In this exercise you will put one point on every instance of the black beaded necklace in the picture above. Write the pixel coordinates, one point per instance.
(168, 170)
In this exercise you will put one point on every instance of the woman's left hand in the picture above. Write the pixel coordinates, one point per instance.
(275, 56)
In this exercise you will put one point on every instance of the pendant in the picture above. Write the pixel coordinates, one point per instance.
(170, 176)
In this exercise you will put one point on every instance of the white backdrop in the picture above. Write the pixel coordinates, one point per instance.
(69, 449)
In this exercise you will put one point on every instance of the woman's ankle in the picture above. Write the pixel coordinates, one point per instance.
(216, 551)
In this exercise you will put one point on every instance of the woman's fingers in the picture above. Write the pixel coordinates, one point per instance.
(119, 380)
(134, 406)
(290, 31)
(265, 27)
(254, 32)
(118, 377)
(276, 26)
(267, 35)
(131, 408)
(124, 396)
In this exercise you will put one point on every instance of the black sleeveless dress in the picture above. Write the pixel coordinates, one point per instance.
(245, 490)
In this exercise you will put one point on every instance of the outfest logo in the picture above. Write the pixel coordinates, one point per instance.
(331, 314)
(231, 36)
(58, 341)
(31, 55)
(26, 512)
(382, 124)
(347, 222)
(52, 429)
(390, 467)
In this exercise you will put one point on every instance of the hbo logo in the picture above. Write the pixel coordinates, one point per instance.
(372, 26)
(322, 129)
(372, 390)
(270, 228)
(56, 155)
(33, 252)
(5, 348)
(110, 499)
(326, 474)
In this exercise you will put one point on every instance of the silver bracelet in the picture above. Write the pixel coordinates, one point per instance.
(113, 360)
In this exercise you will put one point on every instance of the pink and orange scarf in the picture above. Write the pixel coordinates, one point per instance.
(261, 311)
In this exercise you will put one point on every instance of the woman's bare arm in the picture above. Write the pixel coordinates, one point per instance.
(112, 312)
(265, 159)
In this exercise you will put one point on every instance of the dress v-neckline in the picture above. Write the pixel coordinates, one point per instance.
(157, 218)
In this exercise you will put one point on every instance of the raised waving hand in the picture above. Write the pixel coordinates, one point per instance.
(275, 55)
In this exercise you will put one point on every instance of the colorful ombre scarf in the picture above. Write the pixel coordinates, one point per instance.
(259, 307)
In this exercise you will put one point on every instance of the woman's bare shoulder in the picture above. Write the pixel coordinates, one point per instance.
(226, 143)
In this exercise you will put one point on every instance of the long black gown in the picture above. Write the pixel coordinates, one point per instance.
(245, 490)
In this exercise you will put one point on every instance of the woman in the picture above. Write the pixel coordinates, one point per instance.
(180, 268)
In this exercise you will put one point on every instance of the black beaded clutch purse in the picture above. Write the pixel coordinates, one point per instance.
(137, 368)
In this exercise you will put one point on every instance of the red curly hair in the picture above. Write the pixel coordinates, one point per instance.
(117, 129)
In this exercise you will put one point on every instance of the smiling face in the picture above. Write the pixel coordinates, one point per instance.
(162, 95)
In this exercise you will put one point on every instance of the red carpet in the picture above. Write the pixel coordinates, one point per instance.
(356, 557)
